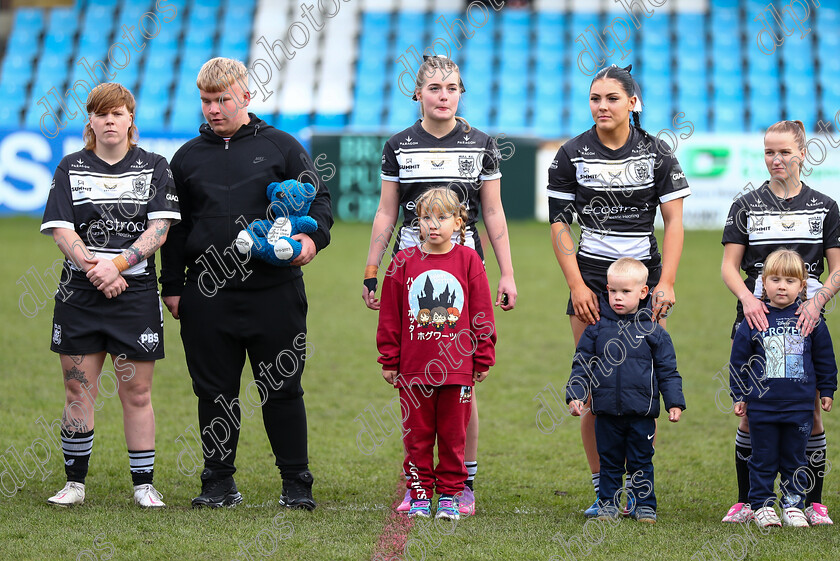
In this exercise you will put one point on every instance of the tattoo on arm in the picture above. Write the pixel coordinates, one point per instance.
(75, 374)
(149, 241)
(133, 256)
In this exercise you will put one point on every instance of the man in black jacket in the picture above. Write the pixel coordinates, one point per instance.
(229, 304)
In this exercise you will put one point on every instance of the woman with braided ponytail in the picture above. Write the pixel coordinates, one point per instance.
(442, 150)
(613, 177)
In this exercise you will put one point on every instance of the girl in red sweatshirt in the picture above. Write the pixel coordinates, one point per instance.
(434, 365)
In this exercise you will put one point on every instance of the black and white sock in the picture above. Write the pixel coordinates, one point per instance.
(472, 468)
(596, 482)
(77, 447)
(142, 465)
(743, 452)
(815, 451)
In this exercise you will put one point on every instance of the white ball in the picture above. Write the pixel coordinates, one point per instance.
(243, 242)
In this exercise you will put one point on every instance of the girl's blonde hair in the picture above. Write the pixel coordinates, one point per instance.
(796, 128)
(785, 263)
(102, 99)
(429, 66)
(446, 201)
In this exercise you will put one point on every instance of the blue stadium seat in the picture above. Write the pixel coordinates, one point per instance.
(548, 121)
(56, 43)
(26, 44)
(512, 119)
(366, 116)
(335, 122)
(65, 20)
(830, 99)
(401, 112)
(728, 118)
(293, 124)
(12, 96)
(31, 18)
(9, 117)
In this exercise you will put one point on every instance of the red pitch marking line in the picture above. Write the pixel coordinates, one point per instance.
(391, 543)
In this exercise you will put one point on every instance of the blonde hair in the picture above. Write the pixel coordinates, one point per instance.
(628, 267)
(430, 65)
(218, 74)
(796, 128)
(102, 99)
(447, 202)
(785, 263)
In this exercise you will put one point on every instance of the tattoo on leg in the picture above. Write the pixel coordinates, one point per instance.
(75, 374)
(77, 425)
(77, 359)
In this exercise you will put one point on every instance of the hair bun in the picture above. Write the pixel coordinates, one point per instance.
(628, 68)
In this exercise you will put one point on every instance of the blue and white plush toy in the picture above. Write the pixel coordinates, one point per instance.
(272, 241)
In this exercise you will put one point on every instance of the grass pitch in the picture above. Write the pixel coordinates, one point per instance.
(532, 482)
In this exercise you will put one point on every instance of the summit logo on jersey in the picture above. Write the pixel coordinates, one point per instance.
(139, 164)
(79, 164)
(408, 142)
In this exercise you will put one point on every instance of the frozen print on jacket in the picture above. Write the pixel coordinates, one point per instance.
(783, 350)
(436, 299)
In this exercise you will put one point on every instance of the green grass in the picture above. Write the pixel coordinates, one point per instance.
(531, 486)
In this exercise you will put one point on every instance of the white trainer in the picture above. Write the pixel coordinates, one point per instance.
(72, 494)
(817, 514)
(792, 516)
(147, 496)
(766, 517)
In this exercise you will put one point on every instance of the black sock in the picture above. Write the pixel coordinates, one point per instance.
(77, 447)
(142, 465)
(815, 452)
(743, 452)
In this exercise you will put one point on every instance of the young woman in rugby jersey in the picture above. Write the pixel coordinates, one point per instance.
(613, 177)
(109, 210)
(784, 213)
(442, 150)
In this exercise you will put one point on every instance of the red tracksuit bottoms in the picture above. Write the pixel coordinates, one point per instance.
(444, 414)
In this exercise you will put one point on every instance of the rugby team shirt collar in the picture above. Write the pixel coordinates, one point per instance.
(618, 153)
(420, 131)
(127, 160)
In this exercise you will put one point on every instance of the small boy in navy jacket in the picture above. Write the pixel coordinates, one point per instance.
(623, 362)
(777, 372)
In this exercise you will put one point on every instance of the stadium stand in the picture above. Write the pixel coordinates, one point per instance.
(520, 66)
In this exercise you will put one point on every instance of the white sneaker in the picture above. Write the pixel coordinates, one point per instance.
(767, 517)
(72, 494)
(817, 514)
(147, 496)
(792, 516)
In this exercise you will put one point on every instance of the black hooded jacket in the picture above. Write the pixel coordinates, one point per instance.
(221, 186)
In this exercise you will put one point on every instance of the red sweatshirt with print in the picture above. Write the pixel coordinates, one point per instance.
(436, 318)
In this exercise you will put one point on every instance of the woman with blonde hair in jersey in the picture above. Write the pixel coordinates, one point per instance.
(783, 212)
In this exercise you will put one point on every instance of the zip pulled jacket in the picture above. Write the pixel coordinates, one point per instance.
(221, 186)
(624, 362)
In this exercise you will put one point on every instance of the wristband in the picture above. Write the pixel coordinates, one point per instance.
(121, 263)
(370, 284)
(371, 271)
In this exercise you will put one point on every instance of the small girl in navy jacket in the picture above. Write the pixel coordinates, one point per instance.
(776, 373)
